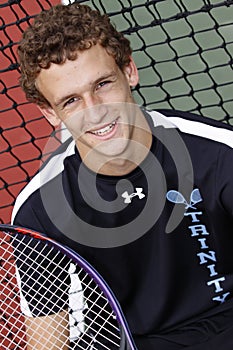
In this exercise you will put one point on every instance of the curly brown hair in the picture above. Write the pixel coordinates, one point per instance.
(57, 34)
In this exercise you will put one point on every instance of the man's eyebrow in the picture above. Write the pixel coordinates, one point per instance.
(104, 76)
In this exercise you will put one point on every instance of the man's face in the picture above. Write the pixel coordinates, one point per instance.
(92, 96)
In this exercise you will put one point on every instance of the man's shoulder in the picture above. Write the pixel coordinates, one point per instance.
(171, 114)
(65, 149)
(193, 126)
(51, 168)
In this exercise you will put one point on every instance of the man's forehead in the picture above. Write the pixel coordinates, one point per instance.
(95, 58)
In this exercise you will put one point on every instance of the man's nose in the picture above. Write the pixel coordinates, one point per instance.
(91, 100)
(94, 108)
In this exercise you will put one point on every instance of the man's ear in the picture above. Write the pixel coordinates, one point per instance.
(50, 115)
(131, 73)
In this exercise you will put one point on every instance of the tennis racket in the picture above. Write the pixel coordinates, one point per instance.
(46, 282)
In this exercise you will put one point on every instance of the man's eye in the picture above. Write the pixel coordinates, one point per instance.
(71, 100)
(103, 83)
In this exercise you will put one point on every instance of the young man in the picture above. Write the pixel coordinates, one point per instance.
(145, 197)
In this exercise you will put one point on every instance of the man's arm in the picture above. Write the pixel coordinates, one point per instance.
(48, 332)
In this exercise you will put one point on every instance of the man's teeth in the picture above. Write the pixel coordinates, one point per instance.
(105, 130)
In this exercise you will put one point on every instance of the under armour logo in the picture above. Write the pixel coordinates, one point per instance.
(128, 197)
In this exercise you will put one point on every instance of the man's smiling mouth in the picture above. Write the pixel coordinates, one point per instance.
(105, 130)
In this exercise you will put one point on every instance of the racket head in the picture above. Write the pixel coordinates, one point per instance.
(96, 318)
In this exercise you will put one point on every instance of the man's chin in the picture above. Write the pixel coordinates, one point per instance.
(113, 148)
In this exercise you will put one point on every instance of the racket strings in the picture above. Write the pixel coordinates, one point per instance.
(33, 285)
(102, 327)
(95, 319)
(88, 341)
(97, 303)
(12, 326)
(98, 316)
(86, 285)
(93, 293)
(101, 323)
(94, 323)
